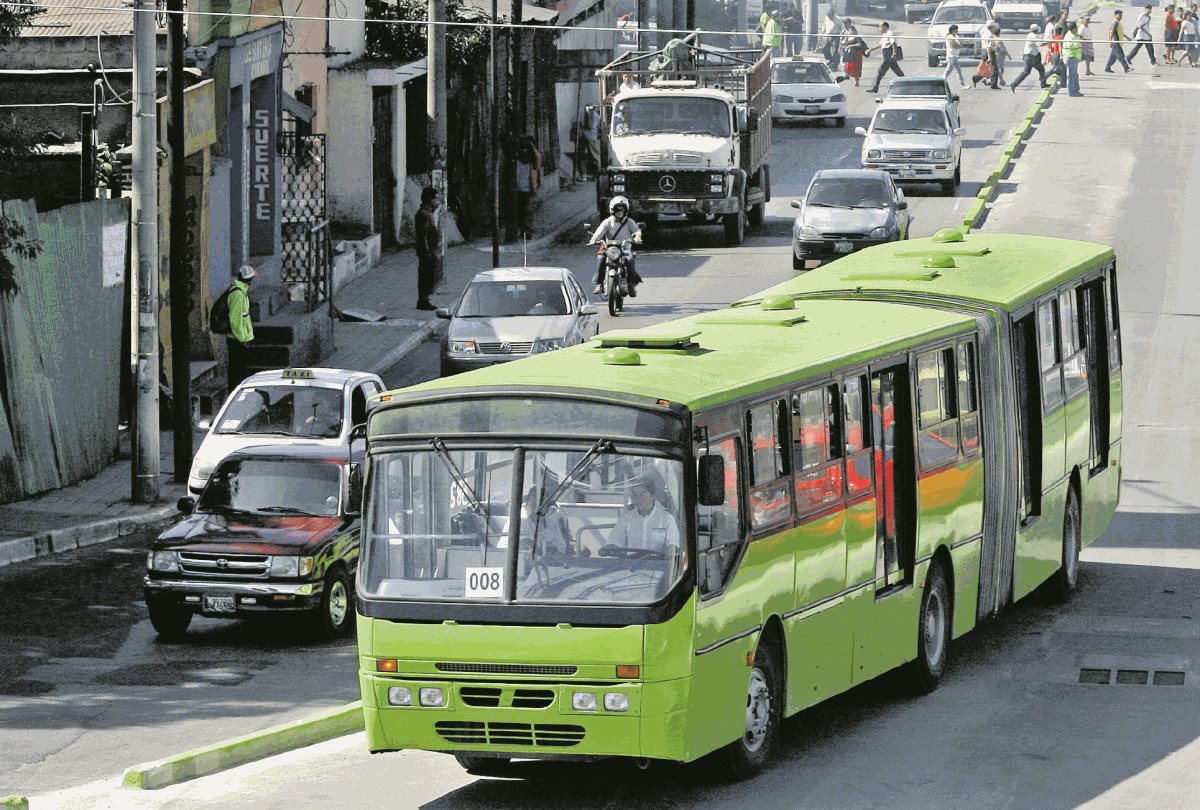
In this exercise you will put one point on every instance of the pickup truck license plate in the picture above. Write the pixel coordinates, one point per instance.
(843, 247)
(908, 172)
(219, 604)
(812, 109)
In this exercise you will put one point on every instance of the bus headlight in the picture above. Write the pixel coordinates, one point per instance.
(583, 701)
(399, 696)
(616, 702)
(432, 697)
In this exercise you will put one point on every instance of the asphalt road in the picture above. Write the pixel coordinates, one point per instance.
(1011, 726)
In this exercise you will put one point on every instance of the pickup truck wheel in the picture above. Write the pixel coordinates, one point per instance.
(735, 228)
(169, 622)
(335, 617)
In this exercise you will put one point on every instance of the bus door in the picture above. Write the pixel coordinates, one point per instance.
(885, 637)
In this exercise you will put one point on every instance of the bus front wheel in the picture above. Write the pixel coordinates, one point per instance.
(748, 756)
(482, 766)
(933, 632)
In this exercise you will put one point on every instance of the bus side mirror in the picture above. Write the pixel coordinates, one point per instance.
(711, 481)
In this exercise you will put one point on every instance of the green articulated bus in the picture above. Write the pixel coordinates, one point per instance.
(659, 544)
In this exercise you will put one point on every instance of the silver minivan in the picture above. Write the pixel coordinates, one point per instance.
(512, 312)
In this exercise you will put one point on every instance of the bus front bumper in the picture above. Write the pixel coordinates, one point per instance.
(525, 719)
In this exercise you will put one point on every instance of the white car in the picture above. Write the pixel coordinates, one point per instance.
(319, 405)
(971, 17)
(803, 89)
(915, 141)
(1018, 16)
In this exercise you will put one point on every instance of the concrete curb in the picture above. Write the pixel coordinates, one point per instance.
(570, 221)
(426, 330)
(14, 803)
(210, 759)
(81, 535)
(977, 212)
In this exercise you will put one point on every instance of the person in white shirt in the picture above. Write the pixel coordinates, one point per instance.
(647, 525)
(831, 26)
(1032, 54)
(953, 46)
(889, 50)
(1142, 38)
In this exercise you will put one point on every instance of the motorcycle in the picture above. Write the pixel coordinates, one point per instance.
(616, 272)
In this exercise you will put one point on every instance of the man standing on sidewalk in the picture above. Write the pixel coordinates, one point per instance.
(1072, 51)
(429, 243)
(241, 328)
(1032, 56)
(889, 51)
(1116, 35)
(1142, 36)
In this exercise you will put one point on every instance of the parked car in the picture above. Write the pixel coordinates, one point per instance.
(845, 210)
(923, 87)
(803, 89)
(513, 312)
(276, 530)
(915, 141)
(1018, 16)
(280, 406)
(971, 17)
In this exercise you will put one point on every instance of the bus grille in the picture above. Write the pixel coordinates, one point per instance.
(490, 697)
(508, 669)
(546, 735)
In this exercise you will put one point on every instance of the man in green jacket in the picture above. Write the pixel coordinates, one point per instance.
(773, 34)
(1072, 51)
(241, 328)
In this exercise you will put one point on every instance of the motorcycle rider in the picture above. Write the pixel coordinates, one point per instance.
(614, 230)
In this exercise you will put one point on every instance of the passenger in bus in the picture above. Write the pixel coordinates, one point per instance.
(553, 535)
(645, 523)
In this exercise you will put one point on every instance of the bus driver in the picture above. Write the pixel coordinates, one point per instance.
(646, 524)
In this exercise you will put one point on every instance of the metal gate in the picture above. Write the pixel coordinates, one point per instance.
(307, 255)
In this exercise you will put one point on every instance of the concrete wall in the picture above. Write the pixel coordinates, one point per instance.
(45, 53)
(348, 34)
(307, 65)
(348, 175)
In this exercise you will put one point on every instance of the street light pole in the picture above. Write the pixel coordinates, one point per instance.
(435, 111)
(181, 355)
(145, 254)
(493, 77)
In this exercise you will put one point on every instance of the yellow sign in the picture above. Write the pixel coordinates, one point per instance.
(199, 117)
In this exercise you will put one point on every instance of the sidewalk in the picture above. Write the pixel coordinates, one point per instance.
(99, 509)
(390, 288)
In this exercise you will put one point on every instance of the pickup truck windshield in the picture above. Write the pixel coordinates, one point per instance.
(284, 410)
(919, 87)
(681, 115)
(595, 527)
(918, 122)
(960, 14)
(273, 486)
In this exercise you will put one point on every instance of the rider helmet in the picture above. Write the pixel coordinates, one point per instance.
(617, 202)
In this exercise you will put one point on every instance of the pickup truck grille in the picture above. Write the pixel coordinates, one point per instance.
(681, 184)
(906, 154)
(225, 566)
(498, 348)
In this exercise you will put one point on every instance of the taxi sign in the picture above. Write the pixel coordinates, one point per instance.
(298, 374)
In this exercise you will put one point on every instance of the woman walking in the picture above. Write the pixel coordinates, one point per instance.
(853, 47)
(1190, 34)
(1089, 50)
(953, 46)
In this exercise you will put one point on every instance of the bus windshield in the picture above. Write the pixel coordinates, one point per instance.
(593, 526)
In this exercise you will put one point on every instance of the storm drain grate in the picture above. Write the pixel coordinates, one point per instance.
(1132, 677)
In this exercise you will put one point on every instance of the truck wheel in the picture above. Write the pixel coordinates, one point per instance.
(170, 622)
(757, 213)
(735, 228)
(335, 617)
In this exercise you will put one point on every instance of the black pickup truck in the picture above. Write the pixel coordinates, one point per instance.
(276, 530)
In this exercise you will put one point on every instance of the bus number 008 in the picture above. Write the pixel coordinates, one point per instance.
(484, 581)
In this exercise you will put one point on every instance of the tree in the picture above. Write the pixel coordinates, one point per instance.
(15, 142)
(466, 45)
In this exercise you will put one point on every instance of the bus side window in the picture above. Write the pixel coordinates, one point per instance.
(968, 399)
(858, 441)
(817, 448)
(1049, 354)
(1074, 362)
(1114, 320)
(719, 528)
(937, 408)
(770, 496)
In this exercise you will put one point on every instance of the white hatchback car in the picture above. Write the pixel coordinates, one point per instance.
(915, 141)
(319, 405)
(803, 89)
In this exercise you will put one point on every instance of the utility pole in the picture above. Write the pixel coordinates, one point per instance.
(87, 157)
(810, 26)
(435, 111)
(666, 21)
(181, 354)
(493, 77)
(643, 24)
(681, 15)
(145, 254)
(743, 23)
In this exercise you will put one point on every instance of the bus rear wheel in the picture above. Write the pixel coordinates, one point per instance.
(933, 632)
(1063, 583)
(749, 755)
(482, 766)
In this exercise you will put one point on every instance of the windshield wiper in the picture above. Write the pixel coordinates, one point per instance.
(601, 446)
(822, 205)
(460, 480)
(873, 205)
(285, 510)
